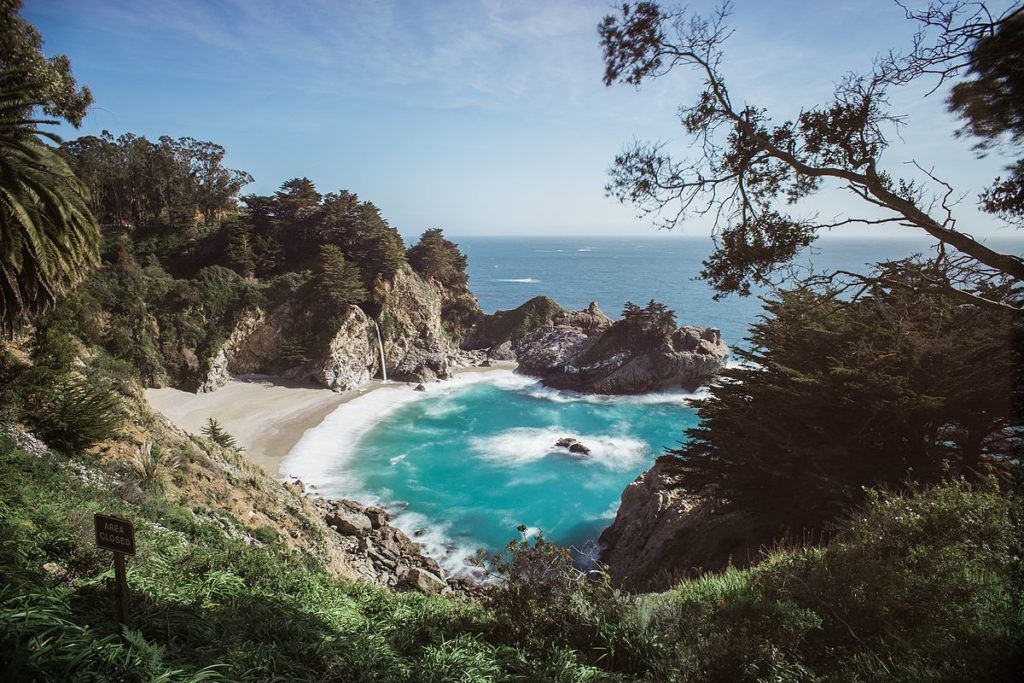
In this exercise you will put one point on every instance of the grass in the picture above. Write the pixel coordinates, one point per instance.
(916, 588)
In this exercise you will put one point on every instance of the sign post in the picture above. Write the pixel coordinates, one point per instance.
(118, 536)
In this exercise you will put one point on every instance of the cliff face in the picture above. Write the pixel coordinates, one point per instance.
(660, 535)
(344, 353)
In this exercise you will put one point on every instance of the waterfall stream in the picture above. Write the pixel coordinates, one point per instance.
(380, 345)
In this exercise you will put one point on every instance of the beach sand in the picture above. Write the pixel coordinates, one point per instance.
(266, 415)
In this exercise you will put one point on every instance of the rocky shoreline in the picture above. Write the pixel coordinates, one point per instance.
(380, 553)
(584, 351)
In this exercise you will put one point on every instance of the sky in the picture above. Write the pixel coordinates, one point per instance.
(481, 117)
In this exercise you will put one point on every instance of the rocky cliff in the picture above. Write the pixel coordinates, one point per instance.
(341, 352)
(585, 351)
(660, 535)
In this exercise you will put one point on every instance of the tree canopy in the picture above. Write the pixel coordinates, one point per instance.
(440, 259)
(654, 317)
(48, 81)
(838, 395)
(48, 238)
(749, 171)
(137, 183)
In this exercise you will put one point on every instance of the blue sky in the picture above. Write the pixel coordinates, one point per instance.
(479, 117)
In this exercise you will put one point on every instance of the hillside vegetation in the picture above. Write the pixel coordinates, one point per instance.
(914, 588)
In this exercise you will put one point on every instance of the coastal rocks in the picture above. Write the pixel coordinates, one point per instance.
(379, 552)
(348, 519)
(660, 535)
(420, 387)
(422, 580)
(502, 351)
(572, 445)
(340, 351)
(584, 351)
(550, 349)
(493, 331)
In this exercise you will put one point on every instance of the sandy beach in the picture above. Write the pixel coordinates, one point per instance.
(266, 415)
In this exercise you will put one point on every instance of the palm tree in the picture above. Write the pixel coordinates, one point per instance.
(49, 239)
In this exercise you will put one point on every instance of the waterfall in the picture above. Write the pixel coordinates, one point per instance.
(380, 345)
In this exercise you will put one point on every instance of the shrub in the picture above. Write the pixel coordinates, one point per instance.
(215, 433)
(916, 587)
(543, 600)
(69, 412)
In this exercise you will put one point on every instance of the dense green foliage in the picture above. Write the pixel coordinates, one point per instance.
(71, 405)
(655, 317)
(158, 324)
(991, 101)
(839, 395)
(137, 183)
(48, 238)
(917, 588)
(439, 259)
(49, 79)
(887, 600)
(337, 281)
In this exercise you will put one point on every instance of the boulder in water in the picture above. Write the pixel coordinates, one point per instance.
(573, 445)
(420, 387)
(579, 449)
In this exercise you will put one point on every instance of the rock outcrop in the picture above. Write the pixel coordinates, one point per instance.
(219, 368)
(660, 535)
(379, 552)
(585, 351)
(342, 353)
(502, 330)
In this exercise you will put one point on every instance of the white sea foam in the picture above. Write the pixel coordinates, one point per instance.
(524, 280)
(321, 455)
(538, 390)
(437, 542)
(521, 445)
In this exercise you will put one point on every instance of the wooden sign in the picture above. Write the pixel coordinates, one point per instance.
(118, 536)
(115, 534)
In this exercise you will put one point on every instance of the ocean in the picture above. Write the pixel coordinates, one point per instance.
(506, 271)
(465, 463)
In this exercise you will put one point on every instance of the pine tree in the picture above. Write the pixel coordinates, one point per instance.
(839, 396)
(215, 433)
(438, 258)
(338, 282)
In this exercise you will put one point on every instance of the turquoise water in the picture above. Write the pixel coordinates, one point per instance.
(472, 459)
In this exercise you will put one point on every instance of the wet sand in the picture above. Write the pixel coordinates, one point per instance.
(266, 415)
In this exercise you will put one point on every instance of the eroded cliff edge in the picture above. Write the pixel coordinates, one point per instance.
(417, 322)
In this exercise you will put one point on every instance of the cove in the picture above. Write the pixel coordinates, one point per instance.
(462, 465)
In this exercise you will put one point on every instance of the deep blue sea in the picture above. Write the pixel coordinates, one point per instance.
(469, 460)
